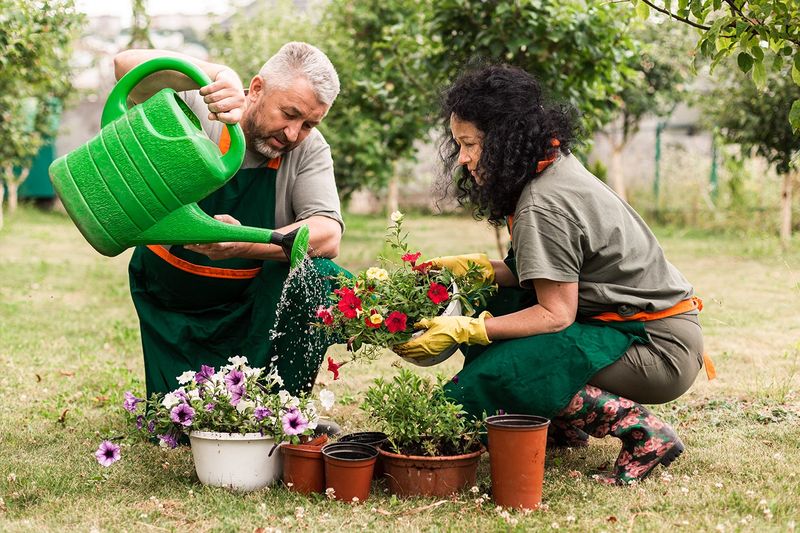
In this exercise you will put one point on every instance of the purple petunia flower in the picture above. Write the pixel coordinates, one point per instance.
(151, 426)
(236, 394)
(209, 406)
(182, 414)
(130, 402)
(294, 423)
(140, 422)
(108, 453)
(181, 395)
(205, 374)
(169, 440)
(455, 379)
(235, 378)
(261, 413)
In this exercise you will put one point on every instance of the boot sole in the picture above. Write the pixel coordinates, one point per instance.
(672, 454)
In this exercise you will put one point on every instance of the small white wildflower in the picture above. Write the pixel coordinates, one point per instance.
(186, 377)
(327, 398)
(791, 525)
(718, 485)
(299, 512)
(684, 490)
(720, 527)
(570, 518)
(396, 216)
(330, 492)
(474, 489)
(554, 525)
(763, 502)
(290, 484)
(355, 499)
(12, 477)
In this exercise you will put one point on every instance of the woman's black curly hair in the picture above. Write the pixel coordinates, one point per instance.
(505, 103)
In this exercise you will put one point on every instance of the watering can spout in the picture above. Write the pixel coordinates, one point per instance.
(190, 225)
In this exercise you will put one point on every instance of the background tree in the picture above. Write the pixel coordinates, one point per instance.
(35, 39)
(657, 85)
(580, 50)
(140, 25)
(756, 121)
(764, 35)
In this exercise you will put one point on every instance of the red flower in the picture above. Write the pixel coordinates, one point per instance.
(333, 367)
(438, 293)
(325, 314)
(422, 268)
(411, 258)
(344, 292)
(349, 305)
(396, 322)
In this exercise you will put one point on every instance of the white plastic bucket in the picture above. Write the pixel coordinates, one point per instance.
(235, 461)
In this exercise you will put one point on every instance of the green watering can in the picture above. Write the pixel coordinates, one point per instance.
(138, 181)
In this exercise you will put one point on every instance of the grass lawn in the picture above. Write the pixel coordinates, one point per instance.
(69, 348)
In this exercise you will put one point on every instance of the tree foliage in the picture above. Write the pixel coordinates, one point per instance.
(35, 40)
(764, 35)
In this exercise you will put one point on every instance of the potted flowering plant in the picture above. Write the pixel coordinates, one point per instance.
(378, 307)
(234, 417)
(432, 446)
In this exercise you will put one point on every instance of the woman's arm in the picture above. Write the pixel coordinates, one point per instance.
(556, 310)
(503, 275)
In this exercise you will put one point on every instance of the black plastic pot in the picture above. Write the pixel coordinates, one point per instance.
(372, 438)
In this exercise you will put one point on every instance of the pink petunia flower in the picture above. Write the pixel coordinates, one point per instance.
(107, 454)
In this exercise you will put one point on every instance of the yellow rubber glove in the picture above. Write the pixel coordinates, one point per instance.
(458, 264)
(443, 332)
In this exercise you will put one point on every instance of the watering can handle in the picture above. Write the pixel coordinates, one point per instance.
(117, 102)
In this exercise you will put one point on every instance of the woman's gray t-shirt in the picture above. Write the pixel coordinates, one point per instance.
(569, 226)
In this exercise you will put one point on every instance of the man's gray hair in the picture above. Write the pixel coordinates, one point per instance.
(301, 59)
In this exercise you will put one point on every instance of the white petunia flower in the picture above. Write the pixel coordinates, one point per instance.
(253, 372)
(244, 405)
(238, 360)
(327, 398)
(193, 394)
(186, 377)
(170, 401)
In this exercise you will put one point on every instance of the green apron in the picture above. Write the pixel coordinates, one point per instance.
(188, 319)
(540, 374)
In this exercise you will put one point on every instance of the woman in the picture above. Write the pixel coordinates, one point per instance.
(594, 321)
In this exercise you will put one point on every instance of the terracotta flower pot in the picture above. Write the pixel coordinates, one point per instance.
(417, 475)
(348, 469)
(373, 438)
(516, 457)
(303, 467)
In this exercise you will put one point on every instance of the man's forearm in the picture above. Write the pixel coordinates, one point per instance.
(325, 235)
(127, 60)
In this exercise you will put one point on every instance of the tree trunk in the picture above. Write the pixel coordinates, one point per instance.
(786, 208)
(393, 194)
(615, 176)
(12, 184)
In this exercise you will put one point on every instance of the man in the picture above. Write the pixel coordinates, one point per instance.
(201, 304)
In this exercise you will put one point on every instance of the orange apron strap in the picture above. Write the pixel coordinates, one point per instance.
(225, 145)
(683, 306)
(711, 370)
(200, 270)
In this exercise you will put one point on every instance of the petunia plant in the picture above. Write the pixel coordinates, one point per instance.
(232, 399)
(378, 307)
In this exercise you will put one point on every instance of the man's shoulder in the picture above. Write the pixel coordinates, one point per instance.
(312, 147)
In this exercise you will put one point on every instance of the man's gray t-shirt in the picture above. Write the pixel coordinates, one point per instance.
(305, 184)
(569, 226)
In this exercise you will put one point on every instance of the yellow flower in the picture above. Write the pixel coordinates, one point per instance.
(377, 274)
(376, 318)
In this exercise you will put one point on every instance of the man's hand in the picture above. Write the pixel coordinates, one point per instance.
(458, 264)
(225, 97)
(222, 250)
(443, 332)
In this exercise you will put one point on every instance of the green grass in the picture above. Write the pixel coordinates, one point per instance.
(69, 348)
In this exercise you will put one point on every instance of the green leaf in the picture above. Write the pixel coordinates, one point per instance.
(643, 11)
(717, 4)
(796, 74)
(745, 61)
(794, 116)
(759, 74)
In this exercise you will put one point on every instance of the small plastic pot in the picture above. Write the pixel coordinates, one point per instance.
(373, 438)
(303, 468)
(516, 456)
(348, 469)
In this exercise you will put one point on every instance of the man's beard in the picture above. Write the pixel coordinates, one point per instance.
(261, 146)
(260, 142)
